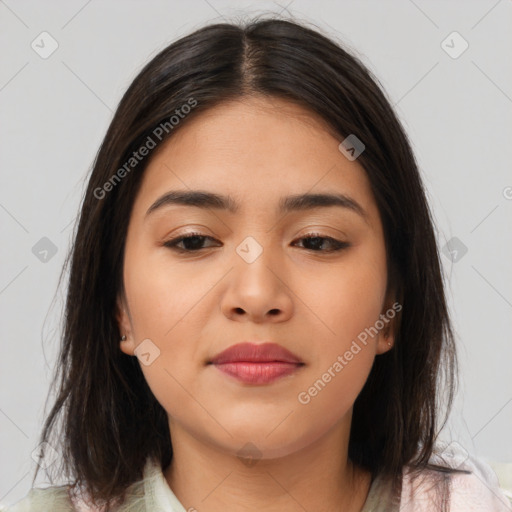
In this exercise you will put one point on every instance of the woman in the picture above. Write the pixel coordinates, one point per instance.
(256, 317)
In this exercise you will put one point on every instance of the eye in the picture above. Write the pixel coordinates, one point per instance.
(316, 241)
(193, 242)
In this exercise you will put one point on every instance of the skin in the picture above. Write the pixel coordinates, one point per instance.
(311, 301)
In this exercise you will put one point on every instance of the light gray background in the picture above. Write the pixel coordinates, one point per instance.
(55, 111)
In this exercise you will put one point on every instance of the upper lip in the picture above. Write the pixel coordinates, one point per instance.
(255, 353)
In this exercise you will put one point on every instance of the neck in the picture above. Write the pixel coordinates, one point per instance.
(318, 477)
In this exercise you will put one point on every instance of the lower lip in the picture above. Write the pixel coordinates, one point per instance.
(257, 373)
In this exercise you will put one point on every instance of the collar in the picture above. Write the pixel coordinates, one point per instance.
(160, 497)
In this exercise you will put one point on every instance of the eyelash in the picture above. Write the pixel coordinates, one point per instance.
(173, 243)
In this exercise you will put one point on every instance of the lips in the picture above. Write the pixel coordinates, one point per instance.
(257, 363)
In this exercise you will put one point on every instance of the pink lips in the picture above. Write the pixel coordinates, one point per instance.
(257, 363)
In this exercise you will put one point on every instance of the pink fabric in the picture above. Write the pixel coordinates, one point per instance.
(475, 492)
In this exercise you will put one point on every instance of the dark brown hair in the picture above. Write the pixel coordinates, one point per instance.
(111, 422)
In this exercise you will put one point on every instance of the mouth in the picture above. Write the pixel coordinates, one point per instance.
(253, 363)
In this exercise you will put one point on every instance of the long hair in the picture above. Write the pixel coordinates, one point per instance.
(111, 422)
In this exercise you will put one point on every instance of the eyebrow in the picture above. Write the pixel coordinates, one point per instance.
(292, 203)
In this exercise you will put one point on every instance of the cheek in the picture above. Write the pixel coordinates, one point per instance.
(330, 397)
(347, 299)
(161, 294)
(166, 306)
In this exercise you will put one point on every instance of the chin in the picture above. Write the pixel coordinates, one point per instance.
(251, 442)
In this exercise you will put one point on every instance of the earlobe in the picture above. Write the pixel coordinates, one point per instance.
(126, 342)
(386, 338)
(126, 346)
(385, 341)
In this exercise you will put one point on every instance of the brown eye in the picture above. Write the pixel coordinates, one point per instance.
(192, 242)
(315, 242)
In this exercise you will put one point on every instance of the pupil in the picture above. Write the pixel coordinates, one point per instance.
(194, 242)
(316, 242)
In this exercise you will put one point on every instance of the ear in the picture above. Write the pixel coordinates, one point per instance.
(387, 335)
(125, 327)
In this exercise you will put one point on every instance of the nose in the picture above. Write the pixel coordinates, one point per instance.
(258, 291)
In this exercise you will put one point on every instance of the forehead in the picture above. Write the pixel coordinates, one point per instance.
(256, 150)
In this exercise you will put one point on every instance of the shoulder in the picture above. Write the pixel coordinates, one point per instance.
(62, 499)
(480, 489)
(49, 499)
(476, 490)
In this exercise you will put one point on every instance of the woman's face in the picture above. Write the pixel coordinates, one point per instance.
(310, 278)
